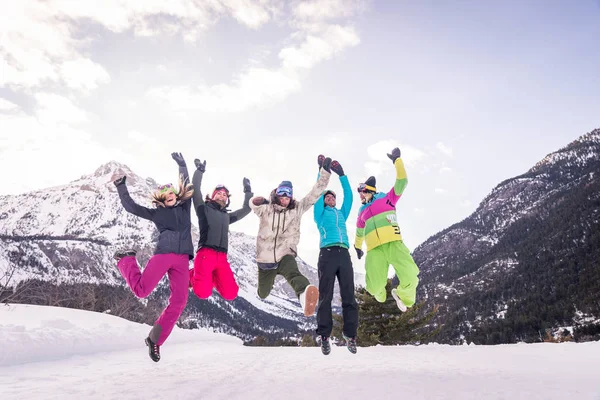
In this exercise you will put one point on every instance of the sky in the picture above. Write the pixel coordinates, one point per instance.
(60, 353)
(473, 92)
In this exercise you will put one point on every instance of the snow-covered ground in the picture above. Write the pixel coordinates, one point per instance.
(57, 353)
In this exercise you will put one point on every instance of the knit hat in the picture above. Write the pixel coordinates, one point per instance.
(368, 186)
(220, 188)
(329, 191)
(285, 188)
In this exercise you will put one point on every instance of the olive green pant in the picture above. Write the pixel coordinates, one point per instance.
(377, 265)
(288, 268)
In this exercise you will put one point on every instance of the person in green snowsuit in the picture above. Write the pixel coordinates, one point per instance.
(377, 225)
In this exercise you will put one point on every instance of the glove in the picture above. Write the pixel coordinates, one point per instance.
(259, 201)
(320, 160)
(394, 155)
(327, 164)
(247, 187)
(178, 159)
(337, 168)
(359, 252)
(120, 181)
(200, 166)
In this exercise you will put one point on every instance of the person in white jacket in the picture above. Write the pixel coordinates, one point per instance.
(278, 237)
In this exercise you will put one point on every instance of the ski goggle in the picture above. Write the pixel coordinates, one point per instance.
(284, 191)
(166, 188)
(363, 188)
(221, 188)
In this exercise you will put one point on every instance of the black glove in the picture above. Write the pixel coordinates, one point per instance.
(320, 160)
(359, 252)
(178, 159)
(259, 201)
(200, 166)
(394, 155)
(337, 168)
(247, 187)
(327, 164)
(120, 181)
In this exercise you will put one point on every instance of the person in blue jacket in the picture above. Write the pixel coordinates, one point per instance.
(334, 261)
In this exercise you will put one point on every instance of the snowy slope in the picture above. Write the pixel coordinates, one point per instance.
(53, 353)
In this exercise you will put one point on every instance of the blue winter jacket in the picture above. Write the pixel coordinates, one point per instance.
(331, 222)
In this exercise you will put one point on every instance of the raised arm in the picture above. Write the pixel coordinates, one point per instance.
(183, 172)
(259, 205)
(318, 188)
(197, 182)
(319, 207)
(347, 204)
(401, 180)
(236, 215)
(128, 204)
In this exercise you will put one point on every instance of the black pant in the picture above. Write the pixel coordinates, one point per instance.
(335, 261)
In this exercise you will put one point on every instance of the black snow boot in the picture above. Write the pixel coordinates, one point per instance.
(153, 350)
(325, 345)
(350, 344)
(124, 253)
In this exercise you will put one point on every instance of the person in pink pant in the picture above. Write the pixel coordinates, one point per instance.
(172, 255)
(211, 268)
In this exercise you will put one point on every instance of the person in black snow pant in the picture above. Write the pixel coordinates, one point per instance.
(334, 261)
(174, 250)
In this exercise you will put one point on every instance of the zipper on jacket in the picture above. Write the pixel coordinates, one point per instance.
(276, 234)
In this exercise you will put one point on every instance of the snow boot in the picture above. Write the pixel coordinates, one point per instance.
(309, 299)
(350, 344)
(325, 345)
(399, 302)
(124, 253)
(153, 350)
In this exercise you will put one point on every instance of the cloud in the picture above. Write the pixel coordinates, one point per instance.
(8, 106)
(259, 86)
(55, 109)
(444, 149)
(440, 191)
(328, 9)
(445, 170)
(44, 151)
(256, 87)
(41, 41)
(315, 49)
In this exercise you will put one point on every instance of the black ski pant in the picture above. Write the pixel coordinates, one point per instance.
(335, 262)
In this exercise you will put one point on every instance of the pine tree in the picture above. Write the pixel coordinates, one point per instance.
(383, 323)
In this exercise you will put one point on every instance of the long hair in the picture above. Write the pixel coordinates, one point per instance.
(185, 192)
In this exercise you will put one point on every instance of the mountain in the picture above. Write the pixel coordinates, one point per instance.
(527, 261)
(66, 235)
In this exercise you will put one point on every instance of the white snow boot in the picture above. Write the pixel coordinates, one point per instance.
(399, 302)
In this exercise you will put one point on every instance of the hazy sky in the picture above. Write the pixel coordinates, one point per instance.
(473, 92)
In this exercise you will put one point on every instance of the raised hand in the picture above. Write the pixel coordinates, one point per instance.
(120, 181)
(247, 187)
(200, 166)
(320, 160)
(359, 252)
(178, 159)
(394, 155)
(337, 168)
(327, 164)
(259, 201)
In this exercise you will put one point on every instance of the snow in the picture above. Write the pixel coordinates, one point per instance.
(57, 353)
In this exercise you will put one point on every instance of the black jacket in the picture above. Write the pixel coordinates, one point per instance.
(173, 223)
(214, 220)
